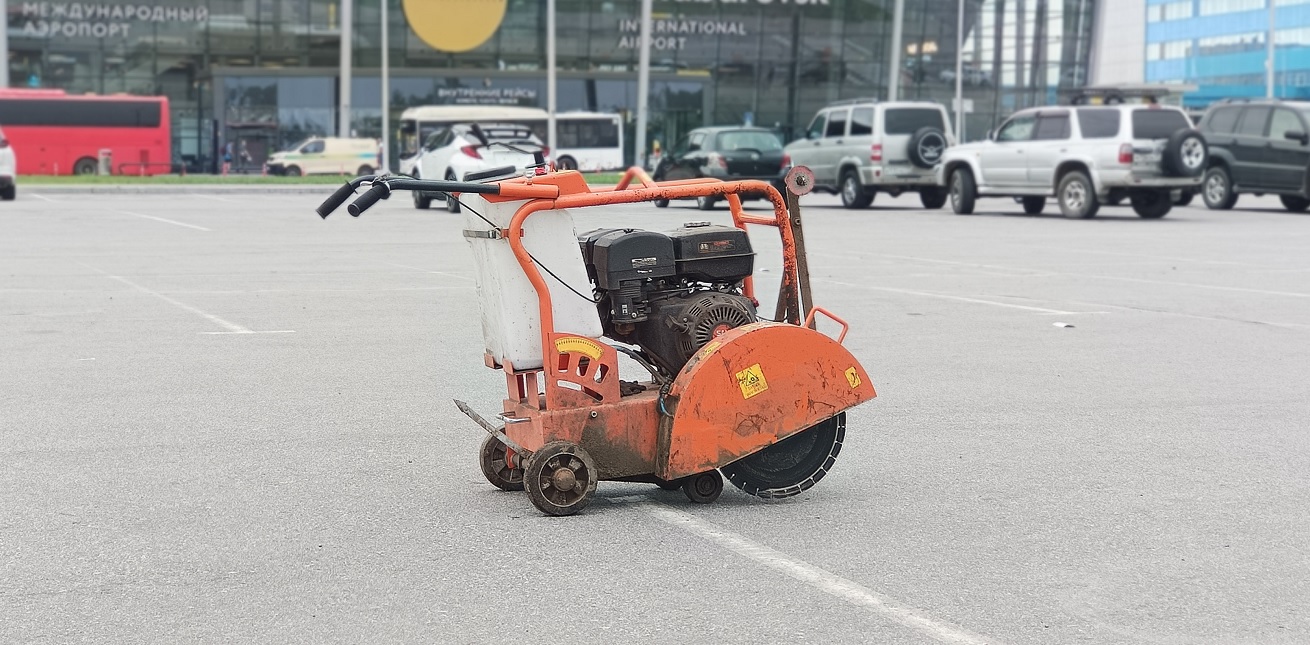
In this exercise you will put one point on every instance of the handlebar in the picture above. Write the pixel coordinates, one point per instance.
(382, 185)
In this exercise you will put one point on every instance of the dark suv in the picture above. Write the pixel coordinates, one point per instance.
(1257, 146)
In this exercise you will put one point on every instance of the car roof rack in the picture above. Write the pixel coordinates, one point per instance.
(853, 101)
(1170, 93)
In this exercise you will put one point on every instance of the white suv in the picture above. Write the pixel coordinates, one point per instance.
(1084, 156)
(860, 147)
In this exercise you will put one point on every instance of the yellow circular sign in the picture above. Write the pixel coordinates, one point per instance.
(454, 25)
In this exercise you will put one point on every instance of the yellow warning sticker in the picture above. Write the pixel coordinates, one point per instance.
(579, 345)
(752, 381)
(853, 377)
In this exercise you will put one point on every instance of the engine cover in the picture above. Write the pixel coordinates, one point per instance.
(681, 323)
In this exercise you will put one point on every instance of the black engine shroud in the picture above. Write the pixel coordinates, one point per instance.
(669, 294)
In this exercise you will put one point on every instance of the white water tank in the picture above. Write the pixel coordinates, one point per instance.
(511, 320)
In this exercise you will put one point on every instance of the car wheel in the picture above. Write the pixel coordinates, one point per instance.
(1184, 198)
(963, 191)
(364, 170)
(1151, 204)
(1217, 189)
(85, 166)
(927, 145)
(452, 204)
(705, 203)
(1294, 203)
(293, 171)
(421, 202)
(1185, 153)
(1034, 205)
(853, 194)
(566, 163)
(1076, 196)
(661, 203)
(8, 193)
(933, 198)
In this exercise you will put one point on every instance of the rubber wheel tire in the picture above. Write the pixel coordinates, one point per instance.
(1034, 205)
(1185, 198)
(705, 203)
(1077, 196)
(364, 171)
(8, 193)
(932, 198)
(1294, 203)
(1151, 204)
(1113, 201)
(452, 204)
(703, 488)
(85, 166)
(926, 147)
(491, 457)
(853, 194)
(293, 171)
(792, 465)
(539, 478)
(1217, 189)
(963, 191)
(566, 163)
(661, 203)
(1185, 154)
(421, 202)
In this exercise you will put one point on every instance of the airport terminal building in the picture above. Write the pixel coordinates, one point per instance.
(266, 72)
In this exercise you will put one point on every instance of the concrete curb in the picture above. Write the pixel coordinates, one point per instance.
(178, 189)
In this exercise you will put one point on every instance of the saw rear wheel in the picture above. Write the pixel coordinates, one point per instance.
(792, 465)
(560, 478)
(493, 457)
(703, 488)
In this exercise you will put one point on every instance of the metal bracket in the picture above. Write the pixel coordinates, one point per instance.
(493, 234)
(498, 433)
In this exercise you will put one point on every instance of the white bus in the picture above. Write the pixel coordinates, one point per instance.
(417, 123)
(587, 141)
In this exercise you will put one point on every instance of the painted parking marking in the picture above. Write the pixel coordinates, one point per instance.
(164, 220)
(228, 326)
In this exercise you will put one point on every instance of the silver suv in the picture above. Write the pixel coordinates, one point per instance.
(1084, 156)
(861, 147)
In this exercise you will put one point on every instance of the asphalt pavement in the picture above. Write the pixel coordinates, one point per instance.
(223, 419)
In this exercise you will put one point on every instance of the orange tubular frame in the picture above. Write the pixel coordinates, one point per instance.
(568, 189)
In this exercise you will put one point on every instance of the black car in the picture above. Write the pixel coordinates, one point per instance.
(730, 153)
(1257, 146)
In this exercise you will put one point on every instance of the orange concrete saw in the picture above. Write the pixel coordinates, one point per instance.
(760, 401)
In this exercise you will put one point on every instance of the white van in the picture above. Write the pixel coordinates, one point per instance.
(326, 156)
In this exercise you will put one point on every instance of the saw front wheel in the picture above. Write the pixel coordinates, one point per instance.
(493, 456)
(792, 465)
(560, 478)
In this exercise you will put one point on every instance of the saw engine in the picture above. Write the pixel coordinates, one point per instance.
(670, 293)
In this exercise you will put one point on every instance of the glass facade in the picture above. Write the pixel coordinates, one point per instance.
(265, 71)
(1221, 46)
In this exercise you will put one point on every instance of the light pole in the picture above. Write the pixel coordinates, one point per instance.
(347, 43)
(643, 83)
(4, 42)
(1269, 55)
(893, 83)
(959, 75)
(385, 161)
(550, 76)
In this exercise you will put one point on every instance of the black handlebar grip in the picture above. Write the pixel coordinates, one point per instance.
(377, 192)
(335, 201)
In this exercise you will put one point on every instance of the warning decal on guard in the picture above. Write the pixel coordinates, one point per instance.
(853, 377)
(579, 345)
(752, 381)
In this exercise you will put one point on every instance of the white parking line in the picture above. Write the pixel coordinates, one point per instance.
(945, 296)
(215, 198)
(422, 270)
(160, 219)
(231, 327)
(43, 197)
(816, 577)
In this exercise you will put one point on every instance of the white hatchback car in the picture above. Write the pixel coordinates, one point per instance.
(8, 170)
(462, 149)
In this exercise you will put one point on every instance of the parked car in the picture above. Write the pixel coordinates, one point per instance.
(326, 156)
(730, 153)
(1258, 147)
(8, 170)
(1084, 156)
(454, 153)
(861, 147)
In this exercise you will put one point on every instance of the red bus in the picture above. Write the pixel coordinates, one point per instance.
(55, 133)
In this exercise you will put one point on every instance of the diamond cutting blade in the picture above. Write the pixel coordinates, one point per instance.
(792, 465)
